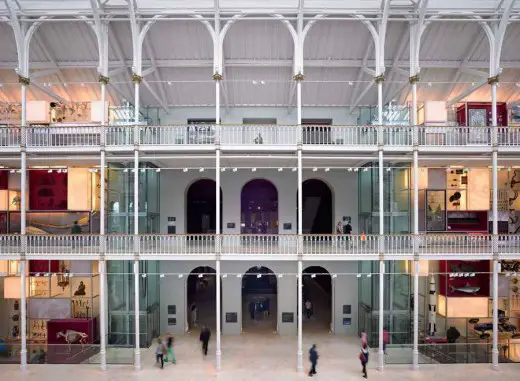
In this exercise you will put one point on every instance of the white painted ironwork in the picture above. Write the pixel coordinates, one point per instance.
(250, 244)
(258, 134)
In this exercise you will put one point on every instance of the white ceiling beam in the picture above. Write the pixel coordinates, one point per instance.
(43, 73)
(245, 63)
(403, 42)
(154, 94)
(467, 93)
(120, 63)
(477, 73)
(39, 39)
(49, 92)
(160, 86)
(359, 77)
(148, 71)
(361, 96)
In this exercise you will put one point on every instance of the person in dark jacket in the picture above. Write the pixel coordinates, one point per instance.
(313, 358)
(363, 357)
(205, 334)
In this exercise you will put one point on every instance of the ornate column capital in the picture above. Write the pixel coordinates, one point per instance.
(217, 76)
(299, 77)
(414, 79)
(24, 80)
(493, 80)
(103, 79)
(136, 78)
(379, 78)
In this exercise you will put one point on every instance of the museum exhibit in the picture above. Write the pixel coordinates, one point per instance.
(284, 174)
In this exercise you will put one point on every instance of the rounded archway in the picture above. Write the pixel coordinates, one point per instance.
(201, 207)
(259, 300)
(317, 299)
(201, 297)
(318, 209)
(259, 207)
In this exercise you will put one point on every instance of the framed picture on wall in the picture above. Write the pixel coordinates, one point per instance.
(435, 210)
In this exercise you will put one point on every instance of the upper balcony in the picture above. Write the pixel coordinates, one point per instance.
(261, 247)
(258, 138)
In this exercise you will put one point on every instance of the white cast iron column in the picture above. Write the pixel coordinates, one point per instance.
(381, 358)
(102, 314)
(137, 360)
(496, 263)
(218, 241)
(300, 265)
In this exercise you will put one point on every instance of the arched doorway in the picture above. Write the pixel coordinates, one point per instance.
(259, 208)
(318, 212)
(259, 300)
(201, 207)
(201, 297)
(318, 290)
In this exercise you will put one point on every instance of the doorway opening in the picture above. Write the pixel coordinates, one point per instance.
(201, 298)
(318, 213)
(259, 207)
(259, 300)
(317, 300)
(201, 207)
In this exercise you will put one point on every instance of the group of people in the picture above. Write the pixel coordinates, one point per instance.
(261, 306)
(364, 353)
(164, 350)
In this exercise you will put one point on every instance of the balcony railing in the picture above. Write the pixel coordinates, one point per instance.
(275, 244)
(41, 137)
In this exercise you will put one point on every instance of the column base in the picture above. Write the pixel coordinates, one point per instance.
(23, 360)
(219, 357)
(137, 360)
(381, 361)
(299, 367)
(415, 365)
(495, 359)
(103, 361)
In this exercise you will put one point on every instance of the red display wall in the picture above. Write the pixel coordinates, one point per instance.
(4, 180)
(447, 284)
(58, 351)
(502, 116)
(43, 266)
(47, 191)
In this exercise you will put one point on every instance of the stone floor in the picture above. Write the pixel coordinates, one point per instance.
(260, 357)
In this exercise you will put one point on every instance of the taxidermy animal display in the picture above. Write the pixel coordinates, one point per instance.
(467, 289)
(73, 337)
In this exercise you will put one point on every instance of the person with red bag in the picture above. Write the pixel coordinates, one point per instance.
(363, 357)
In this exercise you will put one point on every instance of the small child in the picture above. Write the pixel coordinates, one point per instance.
(159, 352)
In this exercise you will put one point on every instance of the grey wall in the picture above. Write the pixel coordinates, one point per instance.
(174, 186)
(173, 291)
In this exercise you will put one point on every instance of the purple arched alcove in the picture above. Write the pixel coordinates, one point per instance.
(259, 208)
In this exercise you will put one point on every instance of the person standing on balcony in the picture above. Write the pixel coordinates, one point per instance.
(339, 231)
(308, 308)
(75, 230)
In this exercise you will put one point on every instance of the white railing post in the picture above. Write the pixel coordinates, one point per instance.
(102, 314)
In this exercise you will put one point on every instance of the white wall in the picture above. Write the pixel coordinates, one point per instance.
(180, 115)
(173, 291)
(174, 186)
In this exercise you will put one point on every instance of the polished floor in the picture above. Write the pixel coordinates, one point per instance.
(260, 357)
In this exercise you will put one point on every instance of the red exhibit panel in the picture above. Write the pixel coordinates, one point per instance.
(454, 282)
(47, 191)
(43, 266)
(4, 180)
(471, 113)
(69, 340)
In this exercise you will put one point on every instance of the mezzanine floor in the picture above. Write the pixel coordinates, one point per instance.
(260, 357)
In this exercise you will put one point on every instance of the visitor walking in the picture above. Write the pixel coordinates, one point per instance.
(205, 334)
(170, 355)
(363, 357)
(363, 336)
(193, 312)
(386, 339)
(160, 350)
(308, 308)
(313, 358)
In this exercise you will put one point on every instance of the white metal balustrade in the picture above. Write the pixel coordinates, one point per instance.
(251, 135)
(258, 134)
(10, 137)
(248, 244)
(80, 136)
(9, 244)
(184, 244)
(340, 244)
(63, 244)
(273, 244)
